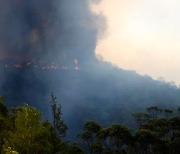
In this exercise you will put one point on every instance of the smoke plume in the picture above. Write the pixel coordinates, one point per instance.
(43, 35)
(49, 46)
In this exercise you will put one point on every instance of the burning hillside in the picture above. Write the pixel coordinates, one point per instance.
(37, 36)
(39, 65)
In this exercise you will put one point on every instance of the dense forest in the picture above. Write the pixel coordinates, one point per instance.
(22, 131)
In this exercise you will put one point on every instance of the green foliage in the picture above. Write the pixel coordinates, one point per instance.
(160, 126)
(66, 148)
(154, 111)
(29, 135)
(112, 139)
(9, 151)
(23, 132)
(90, 135)
(178, 109)
(159, 135)
(141, 118)
(3, 108)
(168, 112)
(60, 126)
(119, 133)
(6, 122)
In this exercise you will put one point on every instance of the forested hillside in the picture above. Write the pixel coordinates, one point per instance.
(23, 132)
(49, 46)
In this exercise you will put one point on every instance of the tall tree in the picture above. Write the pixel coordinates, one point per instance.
(60, 126)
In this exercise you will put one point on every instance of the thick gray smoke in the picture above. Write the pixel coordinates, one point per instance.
(49, 46)
(47, 30)
(43, 34)
(44, 45)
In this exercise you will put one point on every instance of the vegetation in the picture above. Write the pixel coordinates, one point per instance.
(23, 132)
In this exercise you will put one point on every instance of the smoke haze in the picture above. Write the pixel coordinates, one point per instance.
(44, 34)
(49, 46)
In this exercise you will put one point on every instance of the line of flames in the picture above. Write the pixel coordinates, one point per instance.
(42, 66)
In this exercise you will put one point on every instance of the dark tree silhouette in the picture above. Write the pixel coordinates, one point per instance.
(60, 126)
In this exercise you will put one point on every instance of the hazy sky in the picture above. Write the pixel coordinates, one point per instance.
(142, 35)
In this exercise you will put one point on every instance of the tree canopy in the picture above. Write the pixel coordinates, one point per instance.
(22, 131)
